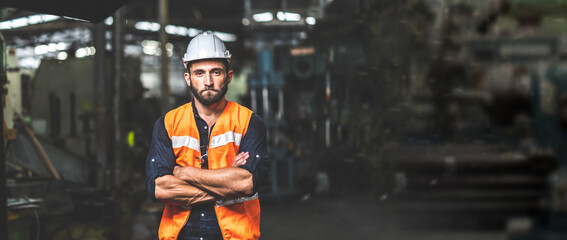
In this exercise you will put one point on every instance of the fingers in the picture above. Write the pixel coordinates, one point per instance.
(177, 170)
(240, 159)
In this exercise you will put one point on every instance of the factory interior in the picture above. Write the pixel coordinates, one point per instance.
(386, 119)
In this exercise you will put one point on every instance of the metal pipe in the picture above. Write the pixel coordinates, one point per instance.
(118, 46)
(247, 8)
(163, 20)
(100, 106)
(38, 148)
(266, 108)
(265, 102)
(3, 188)
(328, 103)
(280, 104)
(253, 100)
(321, 9)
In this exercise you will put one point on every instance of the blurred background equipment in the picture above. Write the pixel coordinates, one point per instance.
(386, 119)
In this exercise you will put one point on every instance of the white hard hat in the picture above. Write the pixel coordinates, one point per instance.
(205, 46)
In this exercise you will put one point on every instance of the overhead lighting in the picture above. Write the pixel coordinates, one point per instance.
(175, 30)
(192, 32)
(41, 49)
(310, 20)
(288, 16)
(245, 22)
(80, 53)
(85, 52)
(109, 21)
(62, 56)
(226, 37)
(180, 31)
(147, 26)
(26, 21)
(76, 19)
(61, 46)
(169, 47)
(51, 47)
(151, 51)
(263, 17)
(150, 43)
(152, 47)
(29, 62)
(19, 22)
(170, 29)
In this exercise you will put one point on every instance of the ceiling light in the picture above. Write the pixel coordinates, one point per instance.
(34, 19)
(263, 17)
(310, 20)
(170, 29)
(147, 26)
(108, 21)
(226, 37)
(150, 43)
(80, 53)
(61, 46)
(75, 19)
(26, 21)
(41, 49)
(245, 22)
(182, 31)
(19, 22)
(193, 32)
(6, 25)
(52, 47)
(84, 52)
(288, 16)
(62, 56)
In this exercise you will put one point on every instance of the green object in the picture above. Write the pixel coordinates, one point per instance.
(131, 139)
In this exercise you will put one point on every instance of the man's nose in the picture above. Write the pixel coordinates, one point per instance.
(208, 80)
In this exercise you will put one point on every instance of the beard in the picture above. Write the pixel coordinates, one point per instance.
(209, 100)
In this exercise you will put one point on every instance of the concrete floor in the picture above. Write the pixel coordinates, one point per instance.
(355, 216)
(363, 216)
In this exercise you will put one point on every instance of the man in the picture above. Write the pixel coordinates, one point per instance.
(208, 158)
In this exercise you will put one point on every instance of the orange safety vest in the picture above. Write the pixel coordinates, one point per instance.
(238, 218)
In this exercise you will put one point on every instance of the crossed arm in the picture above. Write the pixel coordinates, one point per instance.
(190, 186)
(187, 186)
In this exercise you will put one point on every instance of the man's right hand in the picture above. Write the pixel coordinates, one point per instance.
(240, 159)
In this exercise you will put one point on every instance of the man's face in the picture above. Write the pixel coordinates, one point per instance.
(208, 81)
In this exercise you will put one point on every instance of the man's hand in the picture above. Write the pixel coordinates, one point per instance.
(228, 182)
(185, 172)
(240, 159)
(180, 171)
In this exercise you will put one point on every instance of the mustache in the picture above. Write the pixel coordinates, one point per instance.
(211, 89)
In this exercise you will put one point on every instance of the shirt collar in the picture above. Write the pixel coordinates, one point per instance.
(195, 112)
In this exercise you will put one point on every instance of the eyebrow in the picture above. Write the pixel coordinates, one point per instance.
(211, 70)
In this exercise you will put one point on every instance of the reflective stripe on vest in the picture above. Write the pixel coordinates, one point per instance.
(225, 138)
(185, 141)
(238, 218)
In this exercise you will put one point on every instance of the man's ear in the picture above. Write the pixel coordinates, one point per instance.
(229, 74)
(187, 78)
